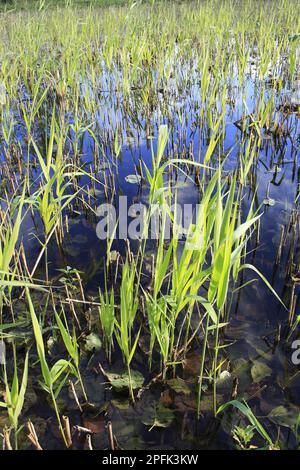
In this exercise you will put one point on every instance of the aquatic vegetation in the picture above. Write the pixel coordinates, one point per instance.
(15, 394)
(246, 410)
(128, 311)
(72, 348)
(9, 238)
(52, 375)
(107, 318)
(178, 129)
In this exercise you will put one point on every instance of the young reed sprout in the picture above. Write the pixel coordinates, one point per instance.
(127, 339)
(107, 318)
(15, 393)
(55, 377)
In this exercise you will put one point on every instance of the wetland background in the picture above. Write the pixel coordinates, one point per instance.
(142, 343)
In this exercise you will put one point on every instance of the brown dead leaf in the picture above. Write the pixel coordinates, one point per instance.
(191, 364)
(96, 425)
(165, 398)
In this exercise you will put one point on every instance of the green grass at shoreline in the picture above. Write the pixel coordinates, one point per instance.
(38, 4)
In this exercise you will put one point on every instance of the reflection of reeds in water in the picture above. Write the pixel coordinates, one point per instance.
(76, 94)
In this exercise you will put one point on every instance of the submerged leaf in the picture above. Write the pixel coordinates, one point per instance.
(157, 416)
(283, 416)
(122, 380)
(179, 386)
(268, 201)
(260, 371)
(120, 404)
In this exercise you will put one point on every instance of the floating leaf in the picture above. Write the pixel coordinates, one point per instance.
(283, 416)
(121, 380)
(158, 416)
(133, 179)
(260, 371)
(92, 342)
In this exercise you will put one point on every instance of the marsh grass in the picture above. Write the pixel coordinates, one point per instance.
(55, 377)
(77, 96)
(15, 393)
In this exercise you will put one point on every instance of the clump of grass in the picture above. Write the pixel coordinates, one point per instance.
(15, 393)
(107, 318)
(53, 378)
(71, 106)
(71, 345)
(124, 325)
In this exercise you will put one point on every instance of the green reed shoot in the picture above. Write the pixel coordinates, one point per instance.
(124, 325)
(53, 377)
(71, 345)
(9, 235)
(107, 318)
(15, 393)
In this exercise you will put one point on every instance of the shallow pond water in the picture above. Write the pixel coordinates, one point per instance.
(258, 339)
(254, 317)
